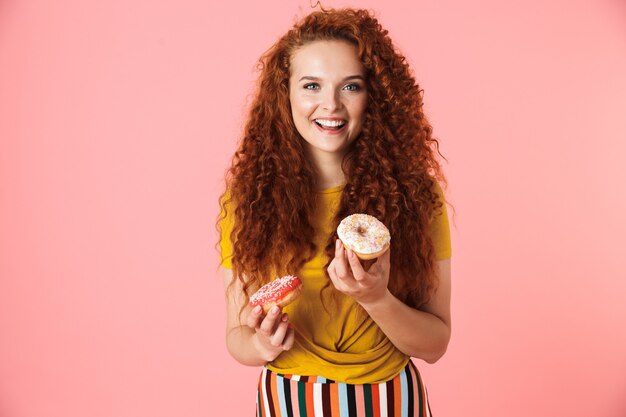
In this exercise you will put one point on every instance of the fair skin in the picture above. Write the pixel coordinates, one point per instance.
(254, 338)
(422, 333)
(328, 99)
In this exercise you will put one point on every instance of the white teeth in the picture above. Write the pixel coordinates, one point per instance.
(330, 123)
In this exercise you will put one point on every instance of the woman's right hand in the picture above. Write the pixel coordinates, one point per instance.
(273, 333)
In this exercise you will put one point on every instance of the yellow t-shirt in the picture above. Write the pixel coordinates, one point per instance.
(347, 345)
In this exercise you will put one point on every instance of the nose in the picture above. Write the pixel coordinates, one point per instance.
(331, 100)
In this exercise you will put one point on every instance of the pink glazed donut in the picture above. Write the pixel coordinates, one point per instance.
(279, 292)
(365, 235)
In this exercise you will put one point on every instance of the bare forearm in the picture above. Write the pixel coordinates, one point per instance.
(243, 345)
(261, 337)
(414, 332)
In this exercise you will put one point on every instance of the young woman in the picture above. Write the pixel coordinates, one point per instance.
(336, 128)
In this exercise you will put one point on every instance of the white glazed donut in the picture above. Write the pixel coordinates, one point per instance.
(365, 235)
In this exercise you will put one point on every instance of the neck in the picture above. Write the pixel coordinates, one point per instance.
(328, 167)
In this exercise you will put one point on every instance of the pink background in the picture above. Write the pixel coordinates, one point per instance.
(118, 118)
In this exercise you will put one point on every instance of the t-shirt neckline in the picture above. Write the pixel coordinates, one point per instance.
(331, 190)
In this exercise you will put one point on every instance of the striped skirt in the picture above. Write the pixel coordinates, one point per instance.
(313, 396)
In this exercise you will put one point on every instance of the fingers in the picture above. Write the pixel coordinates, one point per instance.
(385, 259)
(341, 265)
(383, 262)
(270, 321)
(355, 264)
(274, 328)
(254, 318)
(348, 263)
(289, 339)
(278, 338)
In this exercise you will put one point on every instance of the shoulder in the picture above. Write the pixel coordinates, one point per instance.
(440, 225)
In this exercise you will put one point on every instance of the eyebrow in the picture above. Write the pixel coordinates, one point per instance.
(350, 77)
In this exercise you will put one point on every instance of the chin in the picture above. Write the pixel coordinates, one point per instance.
(333, 149)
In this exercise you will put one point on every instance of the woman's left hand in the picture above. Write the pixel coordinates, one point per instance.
(351, 278)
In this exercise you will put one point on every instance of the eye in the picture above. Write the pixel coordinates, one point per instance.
(352, 87)
(311, 86)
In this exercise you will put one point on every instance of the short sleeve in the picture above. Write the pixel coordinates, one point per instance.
(440, 229)
(226, 223)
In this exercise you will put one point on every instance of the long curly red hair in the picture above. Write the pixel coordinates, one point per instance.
(390, 168)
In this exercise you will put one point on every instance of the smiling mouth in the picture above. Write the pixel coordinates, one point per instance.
(334, 124)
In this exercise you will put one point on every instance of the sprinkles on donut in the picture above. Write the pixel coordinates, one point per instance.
(365, 235)
(279, 292)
